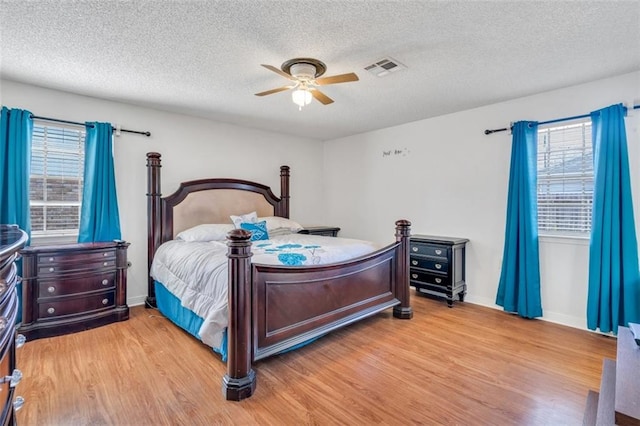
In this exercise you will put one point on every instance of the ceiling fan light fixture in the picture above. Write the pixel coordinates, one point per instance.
(301, 97)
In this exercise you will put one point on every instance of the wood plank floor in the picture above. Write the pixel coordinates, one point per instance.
(467, 365)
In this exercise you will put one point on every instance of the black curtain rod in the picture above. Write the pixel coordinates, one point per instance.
(557, 120)
(82, 124)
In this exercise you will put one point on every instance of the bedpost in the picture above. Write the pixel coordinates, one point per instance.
(404, 310)
(154, 220)
(240, 381)
(284, 192)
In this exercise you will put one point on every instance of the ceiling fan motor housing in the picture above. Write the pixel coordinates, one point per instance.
(303, 71)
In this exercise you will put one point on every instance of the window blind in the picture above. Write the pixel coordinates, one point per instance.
(57, 170)
(565, 179)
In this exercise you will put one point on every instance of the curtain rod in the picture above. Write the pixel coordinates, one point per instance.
(57, 120)
(557, 120)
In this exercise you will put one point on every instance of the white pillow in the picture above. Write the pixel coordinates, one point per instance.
(206, 232)
(280, 226)
(244, 218)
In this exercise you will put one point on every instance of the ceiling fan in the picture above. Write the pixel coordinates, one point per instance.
(304, 73)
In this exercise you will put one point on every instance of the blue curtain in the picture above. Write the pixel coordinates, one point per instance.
(99, 217)
(16, 126)
(614, 278)
(519, 288)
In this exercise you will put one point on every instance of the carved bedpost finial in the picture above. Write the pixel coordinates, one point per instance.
(240, 381)
(403, 232)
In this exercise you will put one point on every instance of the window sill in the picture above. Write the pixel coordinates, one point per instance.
(564, 239)
(49, 240)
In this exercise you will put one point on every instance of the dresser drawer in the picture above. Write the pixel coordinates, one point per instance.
(50, 309)
(438, 265)
(54, 269)
(77, 285)
(428, 250)
(425, 277)
(93, 256)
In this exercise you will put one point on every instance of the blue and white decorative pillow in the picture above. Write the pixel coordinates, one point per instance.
(258, 230)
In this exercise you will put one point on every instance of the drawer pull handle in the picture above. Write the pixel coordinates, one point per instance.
(18, 403)
(51, 289)
(3, 323)
(414, 276)
(438, 266)
(438, 251)
(51, 259)
(106, 263)
(51, 269)
(414, 262)
(105, 254)
(105, 301)
(13, 379)
(438, 280)
(51, 310)
(414, 248)
(105, 282)
(20, 340)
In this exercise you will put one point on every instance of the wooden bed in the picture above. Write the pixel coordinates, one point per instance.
(273, 308)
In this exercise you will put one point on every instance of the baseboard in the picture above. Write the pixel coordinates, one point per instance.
(136, 300)
(554, 317)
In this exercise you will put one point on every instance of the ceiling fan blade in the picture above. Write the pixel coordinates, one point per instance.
(272, 91)
(341, 78)
(278, 71)
(324, 99)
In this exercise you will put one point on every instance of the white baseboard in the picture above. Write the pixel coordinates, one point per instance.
(554, 317)
(136, 300)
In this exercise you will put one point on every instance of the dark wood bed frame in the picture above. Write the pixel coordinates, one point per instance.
(273, 308)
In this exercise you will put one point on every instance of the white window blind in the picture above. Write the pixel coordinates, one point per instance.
(565, 180)
(57, 170)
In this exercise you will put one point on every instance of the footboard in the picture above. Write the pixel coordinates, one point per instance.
(273, 308)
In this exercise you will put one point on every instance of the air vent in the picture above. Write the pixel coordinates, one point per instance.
(384, 66)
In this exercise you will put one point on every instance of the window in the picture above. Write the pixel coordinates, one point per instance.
(565, 180)
(55, 192)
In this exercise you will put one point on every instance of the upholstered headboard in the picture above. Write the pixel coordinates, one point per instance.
(201, 201)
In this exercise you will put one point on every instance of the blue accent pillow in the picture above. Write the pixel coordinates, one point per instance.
(258, 230)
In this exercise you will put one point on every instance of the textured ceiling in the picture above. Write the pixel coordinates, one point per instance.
(203, 57)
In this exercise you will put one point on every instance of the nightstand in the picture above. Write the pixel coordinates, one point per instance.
(437, 266)
(327, 231)
(75, 287)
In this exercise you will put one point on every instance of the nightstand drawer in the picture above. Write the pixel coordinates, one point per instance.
(428, 250)
(438, 265)
(77, 257)
(81, 284)
(54, 269)
(74, 306)
(425, 277)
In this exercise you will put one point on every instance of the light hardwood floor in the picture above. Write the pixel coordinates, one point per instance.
(467, 365)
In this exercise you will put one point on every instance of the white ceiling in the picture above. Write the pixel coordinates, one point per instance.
(203, 57)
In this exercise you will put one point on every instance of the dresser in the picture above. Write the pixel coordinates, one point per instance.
(327, 231)
(70, 288)
(12, 239)
(437, 266)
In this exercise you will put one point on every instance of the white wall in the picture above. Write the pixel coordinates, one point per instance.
(191, 148)
(450, 179)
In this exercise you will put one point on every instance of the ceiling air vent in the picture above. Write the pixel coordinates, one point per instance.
(384, 67)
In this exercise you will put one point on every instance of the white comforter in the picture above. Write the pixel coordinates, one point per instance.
(196, 272)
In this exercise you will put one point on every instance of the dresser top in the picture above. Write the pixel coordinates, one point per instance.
(12, 238)
(439, 239)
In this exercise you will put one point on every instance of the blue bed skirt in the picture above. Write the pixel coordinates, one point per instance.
(170, 306)
(184, 318)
